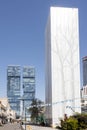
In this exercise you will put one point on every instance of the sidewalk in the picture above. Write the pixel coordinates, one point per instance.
(33, 127)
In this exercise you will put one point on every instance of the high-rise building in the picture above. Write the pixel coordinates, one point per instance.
(62, 64)
(28, 86)
(84, 99)
(84, 88)
(13, 88)
(84, 60)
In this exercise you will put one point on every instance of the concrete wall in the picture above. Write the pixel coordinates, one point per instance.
(62, 63)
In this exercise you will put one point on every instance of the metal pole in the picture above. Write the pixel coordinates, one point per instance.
(22, 110)
(25, 118)
(23, 104)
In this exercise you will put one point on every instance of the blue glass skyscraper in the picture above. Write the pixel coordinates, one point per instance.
(84, 60)
(28, 85)
(13, 88)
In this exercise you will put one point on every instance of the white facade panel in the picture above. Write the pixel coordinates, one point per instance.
(62, 62)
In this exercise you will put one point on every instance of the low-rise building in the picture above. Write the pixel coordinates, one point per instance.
(6, 113)
(2, 113)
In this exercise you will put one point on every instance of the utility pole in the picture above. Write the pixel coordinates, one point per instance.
(25, 118)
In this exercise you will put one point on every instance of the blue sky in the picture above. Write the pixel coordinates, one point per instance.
(22, 36)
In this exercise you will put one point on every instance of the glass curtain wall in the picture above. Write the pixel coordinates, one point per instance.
(28, 86)
(13, 88)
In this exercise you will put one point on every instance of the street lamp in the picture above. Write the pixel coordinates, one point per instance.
(25, 116)
(22, 99)
(24, 110)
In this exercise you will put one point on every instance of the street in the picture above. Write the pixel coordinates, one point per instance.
(10, 126)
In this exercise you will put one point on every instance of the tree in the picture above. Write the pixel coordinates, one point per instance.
(36, 109)
(74, 122)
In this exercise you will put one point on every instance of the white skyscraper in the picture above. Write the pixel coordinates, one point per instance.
(62, 63)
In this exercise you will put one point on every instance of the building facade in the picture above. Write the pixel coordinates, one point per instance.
(62, 64)
(6, 113)
(84, 60)
(84, 88)
(13, 88)
(84, 99)
(28, 86)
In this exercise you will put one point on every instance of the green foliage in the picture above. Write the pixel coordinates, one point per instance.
(36, 110)
(75, 122)
(72, 124)
(41, 119)
(69, 124)
(82, 120)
